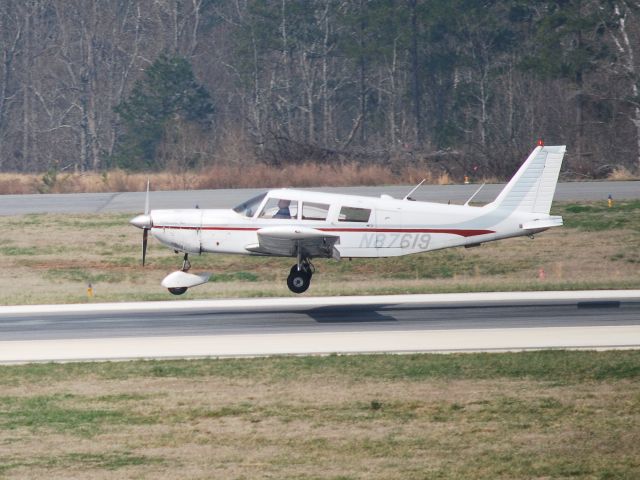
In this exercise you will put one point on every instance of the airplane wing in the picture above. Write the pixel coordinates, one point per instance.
(288, 241)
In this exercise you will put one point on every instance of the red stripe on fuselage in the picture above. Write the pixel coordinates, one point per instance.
(450, 231)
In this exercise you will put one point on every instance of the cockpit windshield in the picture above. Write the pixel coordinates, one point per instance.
(249, 207)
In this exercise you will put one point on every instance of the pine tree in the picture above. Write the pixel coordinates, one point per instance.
(168, 93)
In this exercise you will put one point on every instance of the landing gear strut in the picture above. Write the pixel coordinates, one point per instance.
(300, 275)
(186, 264)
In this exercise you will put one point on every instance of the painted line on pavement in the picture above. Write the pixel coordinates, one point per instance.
(441, 341)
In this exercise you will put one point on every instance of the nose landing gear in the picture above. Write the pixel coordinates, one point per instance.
(179, 281)
(177, 290)
(186, 264)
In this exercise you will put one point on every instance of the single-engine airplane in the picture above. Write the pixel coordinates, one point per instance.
(306, 225)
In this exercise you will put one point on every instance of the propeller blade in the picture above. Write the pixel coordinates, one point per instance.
(146, 200)
(145, 235)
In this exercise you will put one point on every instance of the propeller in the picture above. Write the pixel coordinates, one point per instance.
(144, 222)
(145, 236)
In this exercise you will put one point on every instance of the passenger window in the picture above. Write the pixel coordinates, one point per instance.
(314, 211)
(353, 214)
(280, 208)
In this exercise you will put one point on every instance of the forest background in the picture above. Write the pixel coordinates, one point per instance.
(238, 88)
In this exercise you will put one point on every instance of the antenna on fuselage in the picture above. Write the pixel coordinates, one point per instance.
(473, 196)
(414, 189)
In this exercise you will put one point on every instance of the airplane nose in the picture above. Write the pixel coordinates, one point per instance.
(142, 221)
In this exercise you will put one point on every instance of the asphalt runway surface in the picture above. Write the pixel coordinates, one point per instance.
(130, 202)
(314, 325)
(312, 319)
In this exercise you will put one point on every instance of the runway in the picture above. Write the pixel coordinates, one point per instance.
(129, 202)
(308, 325)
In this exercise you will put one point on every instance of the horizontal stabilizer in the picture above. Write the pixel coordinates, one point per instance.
(543, 223)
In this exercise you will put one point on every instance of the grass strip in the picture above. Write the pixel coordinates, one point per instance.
(561, 366)
(548, 414)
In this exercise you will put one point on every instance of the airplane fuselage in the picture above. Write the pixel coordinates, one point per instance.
(382, 227)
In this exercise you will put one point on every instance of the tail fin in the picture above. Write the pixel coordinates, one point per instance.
(532, 187)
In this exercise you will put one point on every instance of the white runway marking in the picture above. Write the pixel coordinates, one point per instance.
(511, 339)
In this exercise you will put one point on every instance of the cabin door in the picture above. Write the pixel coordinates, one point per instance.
(389, 231)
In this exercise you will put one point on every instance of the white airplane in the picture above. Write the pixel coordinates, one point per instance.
(307, 225)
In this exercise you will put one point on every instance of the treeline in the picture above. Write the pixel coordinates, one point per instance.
(454, 85)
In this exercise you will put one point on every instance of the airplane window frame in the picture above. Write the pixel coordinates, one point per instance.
(351, 218)
(255, 202)
(272, 205)
(321, 206)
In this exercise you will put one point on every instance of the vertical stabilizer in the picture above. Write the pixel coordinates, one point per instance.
(532, 187)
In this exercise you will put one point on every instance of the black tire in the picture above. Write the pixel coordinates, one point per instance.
(178, 290)
(298, 282)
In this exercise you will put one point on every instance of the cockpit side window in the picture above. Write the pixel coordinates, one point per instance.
(280, 208)
(249, 207)
(314, 211)
(354, 214)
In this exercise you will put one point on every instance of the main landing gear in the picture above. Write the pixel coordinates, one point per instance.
(300, 275)
(180, 281)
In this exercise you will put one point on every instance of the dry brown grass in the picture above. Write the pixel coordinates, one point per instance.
(219, 176)
(18, 183)
(622, 173)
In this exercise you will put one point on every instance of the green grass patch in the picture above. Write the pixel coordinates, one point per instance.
(90, 222)
(109, 461)
(559, 366)
(442, 264)
(234, 277)
(13, 251)
(30, 220)
(595, 217)
(62, 413)
(81, 275)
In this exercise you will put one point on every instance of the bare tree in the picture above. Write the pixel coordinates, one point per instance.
(627, 53)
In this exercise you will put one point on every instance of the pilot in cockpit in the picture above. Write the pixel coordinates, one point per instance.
(283, 209)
